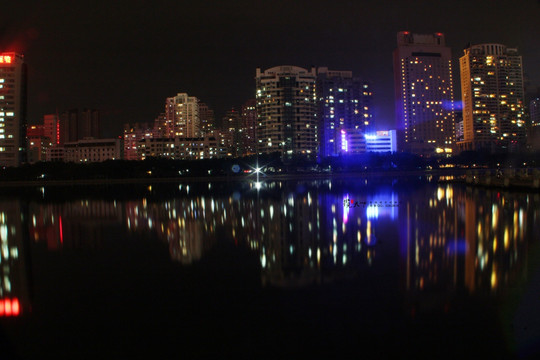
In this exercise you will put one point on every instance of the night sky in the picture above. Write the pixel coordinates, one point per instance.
(126, 57)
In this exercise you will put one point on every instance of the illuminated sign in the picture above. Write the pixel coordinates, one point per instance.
(6, 59)
(382, 133)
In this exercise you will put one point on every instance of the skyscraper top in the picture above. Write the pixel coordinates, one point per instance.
(405, 38)
(490, 49)
(285, 69)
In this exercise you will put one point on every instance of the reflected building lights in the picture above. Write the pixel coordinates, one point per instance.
(448, 239)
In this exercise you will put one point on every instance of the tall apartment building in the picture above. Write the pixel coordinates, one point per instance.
(182, 116)
(207, 119)
(69, 126)
(248, 114)
(492, 94)
(344, 103)
(231, 124)
(424, 96)
(533, 135)
(534, 110)
(12, 109)
(90, 124)
(51, 128)
(286, 111)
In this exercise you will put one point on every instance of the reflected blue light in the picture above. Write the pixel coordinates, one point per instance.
(383, 204)
(457, 248)
(372, 212)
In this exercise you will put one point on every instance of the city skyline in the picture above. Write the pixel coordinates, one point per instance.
(119, 60)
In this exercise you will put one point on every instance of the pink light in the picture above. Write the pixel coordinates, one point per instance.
(61, 230)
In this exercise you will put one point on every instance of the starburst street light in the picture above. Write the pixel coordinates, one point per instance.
(258, 170)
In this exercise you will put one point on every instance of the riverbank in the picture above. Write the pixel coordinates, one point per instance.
(522, 179)
(232, 178)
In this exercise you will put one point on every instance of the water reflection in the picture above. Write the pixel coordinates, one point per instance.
(14, 287)
(312, 232)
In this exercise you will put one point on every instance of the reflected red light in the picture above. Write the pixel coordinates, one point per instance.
(61, 231)
(10, 307)
(15, 307)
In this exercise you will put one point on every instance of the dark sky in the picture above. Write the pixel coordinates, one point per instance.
(126, 57)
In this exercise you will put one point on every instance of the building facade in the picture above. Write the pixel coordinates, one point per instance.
(206, 147)
(287, 112)
(343, 102)
(182, 116)
(69, 126)
(93, 150)
(350, 141)
(231, 124)
(207, 119)
(381, 141)
(51, 128)
(90, 124)
(492, 94)
(534, 110)
(12, 109)
(248, 127)
(132, 137)
(424, 97)
(37, 144)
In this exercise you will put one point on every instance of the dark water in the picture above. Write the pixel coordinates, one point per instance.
(365, 267)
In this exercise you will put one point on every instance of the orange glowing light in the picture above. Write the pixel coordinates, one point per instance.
(5, 59)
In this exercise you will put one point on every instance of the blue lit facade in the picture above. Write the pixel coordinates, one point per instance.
(381, 141)
(354, 141)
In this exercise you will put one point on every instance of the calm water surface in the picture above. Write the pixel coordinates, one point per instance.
(368, 267)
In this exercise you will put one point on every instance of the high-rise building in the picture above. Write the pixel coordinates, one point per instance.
(133, 135)
(161, 127)
(231, 124)
(90, 124)
(248, 127)
(51, 128)
(37, 144)
(182, 116)
(492, 94)
(344, 103)
(69, 126)
(424, 96)
(12, 109)
(287, 112)
(534, 110)
(207, 118)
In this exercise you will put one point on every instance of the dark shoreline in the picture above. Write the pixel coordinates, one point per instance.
(232, 178)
